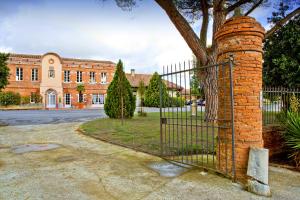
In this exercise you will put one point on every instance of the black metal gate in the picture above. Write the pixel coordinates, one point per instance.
(187, 134)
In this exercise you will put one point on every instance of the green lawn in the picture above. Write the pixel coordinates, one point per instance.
(143, 133)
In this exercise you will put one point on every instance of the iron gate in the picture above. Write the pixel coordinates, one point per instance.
(187, 134)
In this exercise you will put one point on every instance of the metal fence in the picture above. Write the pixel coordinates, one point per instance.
(276, 100)
(188, 136)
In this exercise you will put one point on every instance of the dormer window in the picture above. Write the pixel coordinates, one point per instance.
(51, 72)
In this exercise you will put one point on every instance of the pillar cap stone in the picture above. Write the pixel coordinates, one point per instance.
(243, 25)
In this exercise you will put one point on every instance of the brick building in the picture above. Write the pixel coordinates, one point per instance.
(56, 79)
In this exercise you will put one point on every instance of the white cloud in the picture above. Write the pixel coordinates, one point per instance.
(5, 49)
(143, 40)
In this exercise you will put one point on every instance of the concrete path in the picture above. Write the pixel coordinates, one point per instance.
(84, 168)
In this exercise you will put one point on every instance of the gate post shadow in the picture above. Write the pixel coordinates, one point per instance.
(241, 37)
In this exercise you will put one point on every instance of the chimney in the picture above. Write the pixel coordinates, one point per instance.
(132, 72)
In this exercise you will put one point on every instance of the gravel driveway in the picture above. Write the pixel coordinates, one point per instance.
(79, 167)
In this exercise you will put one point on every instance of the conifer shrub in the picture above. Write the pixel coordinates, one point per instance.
(119, 93)
(152, 94)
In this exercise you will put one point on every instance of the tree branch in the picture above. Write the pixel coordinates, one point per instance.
(279, 24)
(237, 4)
(204, 27)
(185, 30)
(253, 7)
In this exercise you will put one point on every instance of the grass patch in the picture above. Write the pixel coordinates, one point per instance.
(143, 133)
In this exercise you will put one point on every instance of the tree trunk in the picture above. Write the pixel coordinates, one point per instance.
(210, 74)
(199, 49)
(211, 93)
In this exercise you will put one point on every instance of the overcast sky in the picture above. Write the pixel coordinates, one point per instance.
(143, 38)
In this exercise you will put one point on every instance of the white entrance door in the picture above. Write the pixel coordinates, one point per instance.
(51, 100)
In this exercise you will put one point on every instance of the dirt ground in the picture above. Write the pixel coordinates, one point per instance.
(85, 168)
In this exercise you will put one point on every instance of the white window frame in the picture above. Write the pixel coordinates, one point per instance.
(79, 76)
(83, 98)
(103, 77)
(67, 75)
(70, 100)
(92, 77)
(96, 99)
(19, 74)
(34, 74)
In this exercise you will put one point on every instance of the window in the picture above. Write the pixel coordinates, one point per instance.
(67, 99)
(51, 72)
(19, 74)
(103, 77)
(67, 76)
(79, 76)
(92, 77)
(80, 98)
(98, 99)
(34, 74)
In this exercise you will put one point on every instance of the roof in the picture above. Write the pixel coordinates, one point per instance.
(63, 59)
(135, 79)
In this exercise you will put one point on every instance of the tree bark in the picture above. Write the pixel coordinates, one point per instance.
(199, 49)
(210, 76)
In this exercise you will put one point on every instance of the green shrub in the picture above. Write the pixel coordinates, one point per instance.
(36, 98)
(4, 70)
(142, 114)
(291, 123)
(175, 101)
(119, 92)
(25, 100)
(152, 94)
(9, 98)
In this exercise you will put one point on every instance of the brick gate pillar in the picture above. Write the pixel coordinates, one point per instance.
(241, 37)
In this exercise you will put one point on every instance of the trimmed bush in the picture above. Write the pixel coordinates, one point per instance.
(9, 98)
(119, 93)
(25, 100)
(176, 102)
(36, 97)
(152, 94)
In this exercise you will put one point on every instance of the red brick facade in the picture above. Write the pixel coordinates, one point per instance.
(26, 86)
(242, 37)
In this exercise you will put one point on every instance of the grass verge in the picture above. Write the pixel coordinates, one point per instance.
(143, 134)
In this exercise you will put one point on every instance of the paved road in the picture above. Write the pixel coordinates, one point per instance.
(31, 117)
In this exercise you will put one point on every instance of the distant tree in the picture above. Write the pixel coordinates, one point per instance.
(120, 101)
(4, 70)
(141, 92)
(80, 89)
(152, 94)
(196, 89)
(281, 52)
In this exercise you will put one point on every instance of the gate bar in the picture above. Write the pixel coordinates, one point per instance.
(232, 117)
